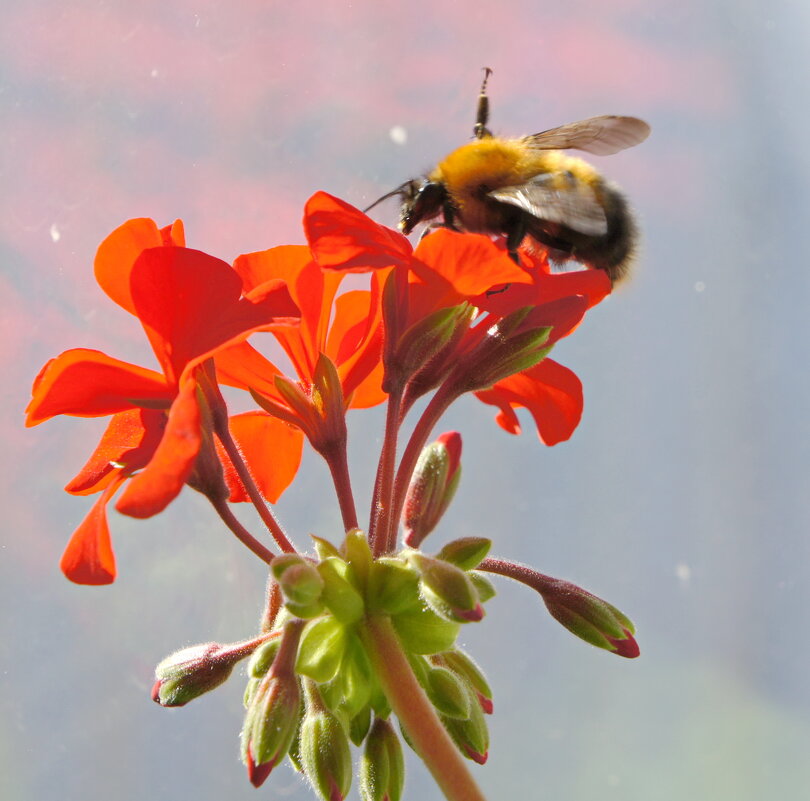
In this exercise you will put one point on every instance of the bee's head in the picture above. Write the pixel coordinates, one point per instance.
(422, 199)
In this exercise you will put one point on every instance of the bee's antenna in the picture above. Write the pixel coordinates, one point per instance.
(398, 191)
(482, 114)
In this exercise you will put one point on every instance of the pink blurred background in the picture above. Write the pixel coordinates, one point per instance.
(682, 498)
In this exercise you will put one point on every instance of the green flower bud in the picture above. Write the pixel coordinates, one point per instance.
(433, 485)
(263, 657)
(382, 766)
(471, 734)
(422, 631)
(299, 580)
(191, 672)
(447, 693)
(274, 710)
(325, 754)
(447, 589)
(463, 666)
(323, 645)
(466, 553)
(393, 586)
(339, 595)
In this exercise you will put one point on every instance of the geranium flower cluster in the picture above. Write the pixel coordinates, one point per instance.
(363, 627)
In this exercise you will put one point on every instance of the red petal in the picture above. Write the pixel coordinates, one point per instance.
(244, 367)
(128, 443)
(190, 304)
(88, 383)
(470, 263)
(119, 251)
(627, 647)
(159, 483)
(272, 450)
(88, 557)
(551, 392)
(341, 237)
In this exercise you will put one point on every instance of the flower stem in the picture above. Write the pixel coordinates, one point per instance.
(339, 468)
(381, 518)
(267, 516)
(415, 712)
(433, 411)
(242, 534)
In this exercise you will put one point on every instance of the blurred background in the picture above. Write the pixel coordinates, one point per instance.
(683, 498)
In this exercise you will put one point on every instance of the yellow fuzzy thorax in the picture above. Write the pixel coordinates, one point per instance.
(493, 162)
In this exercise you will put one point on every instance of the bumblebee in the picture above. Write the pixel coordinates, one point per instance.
(529, 192)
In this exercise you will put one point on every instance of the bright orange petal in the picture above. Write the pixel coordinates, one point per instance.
(341, 237)
(159, 483)
(191, 304)
(470, 263)
(88, 557)
(552, 394)
(88, 383)
(127, 445)
(118, 252)
(244, 367)
(272, 450)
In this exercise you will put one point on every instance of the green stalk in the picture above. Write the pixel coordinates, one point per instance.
(416, 713)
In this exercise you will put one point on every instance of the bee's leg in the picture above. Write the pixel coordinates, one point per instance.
(515, 232)
(449, 213)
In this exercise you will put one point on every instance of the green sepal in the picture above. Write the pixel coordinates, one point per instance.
(357, 553)
(470, 735)
(359, 725)
(323, 644)
(463, 664)
(483, 586)
(323, 548)
(466, 553)
(422, 631)
(339, 595)
(393, 586)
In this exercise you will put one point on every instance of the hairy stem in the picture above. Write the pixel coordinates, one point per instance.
(381, 518)
(242, 534)
(267, 516)
(416, 713)
(339, 468)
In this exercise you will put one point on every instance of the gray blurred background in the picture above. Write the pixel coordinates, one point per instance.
(682, 498)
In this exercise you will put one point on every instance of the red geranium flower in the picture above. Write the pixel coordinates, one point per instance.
(449, 268)
(160, 437)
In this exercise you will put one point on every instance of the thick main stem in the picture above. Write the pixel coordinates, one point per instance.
(415, 712)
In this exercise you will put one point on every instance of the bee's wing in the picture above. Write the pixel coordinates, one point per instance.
(598, 135)
(574, 206)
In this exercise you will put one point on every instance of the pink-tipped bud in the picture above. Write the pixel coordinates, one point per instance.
(191, 672)
(432, 487)
(447, 589)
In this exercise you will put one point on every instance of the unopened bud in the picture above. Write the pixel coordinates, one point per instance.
(191, 672)
(463, 665)
(300, 582)
(325, 755)
(263, 657)
(447, 589)
(433, 485)
(590, 618)
(471, 735)
(447, 693)
(382, 767)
